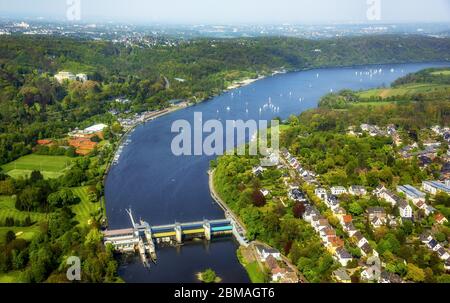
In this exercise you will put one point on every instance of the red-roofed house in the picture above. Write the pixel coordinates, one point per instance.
(440, 218)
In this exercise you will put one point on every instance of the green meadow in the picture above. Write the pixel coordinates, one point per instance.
(7, 209)
(85, 210)
(409, 89)
(49, 166)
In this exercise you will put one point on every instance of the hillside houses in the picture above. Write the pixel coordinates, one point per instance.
(377, 216)
(279, 274)
(334, 244)
(385, 194)
(373, 130)
(416, 197)
(433, 245)
(356, 190)
(340, 275)
(338, 190)
(68, 76)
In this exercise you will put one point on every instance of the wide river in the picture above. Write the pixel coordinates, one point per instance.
(162, 188)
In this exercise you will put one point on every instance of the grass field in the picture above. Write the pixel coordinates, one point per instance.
(440, 73)
(49, 166)
(7, 209)
(375, 103)
(254, 272)
(85, 210)
(11, 277)
(406, 89)
(26, 233)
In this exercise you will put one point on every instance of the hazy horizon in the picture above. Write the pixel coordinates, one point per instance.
(233, 11)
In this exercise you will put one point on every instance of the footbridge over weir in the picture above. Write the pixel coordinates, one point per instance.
(142, 236)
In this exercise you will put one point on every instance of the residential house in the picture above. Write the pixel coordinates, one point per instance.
(338, 190)
(339, 211)
(356, 190)
(369, 274)
(350, 229)
(328, 235)
(297, 195)
(278, 273)
(81, 77)
(443, 253)
(405, 210)
(334, 244)
(346, 219)
(360, 240)
(440, 218)
(343, 256)
(411, 193)
(426, 237)
(310, 212)
(264, 252)
(258, 170)
(383, 193)
(434, 245)
(388, 277)
(377, 222)
(434, 187)
(321, 193)
(289, 277)
(320, 224)
(332, 202)
(377, 216)
(265, 192)
(340, 275)
(63, 76)
(447, 264)
(366, 249)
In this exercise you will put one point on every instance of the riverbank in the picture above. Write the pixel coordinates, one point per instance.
(247, 254)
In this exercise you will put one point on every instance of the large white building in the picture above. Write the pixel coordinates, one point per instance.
(434, 187)
(95, 128)
(412, 193)
(63, 76)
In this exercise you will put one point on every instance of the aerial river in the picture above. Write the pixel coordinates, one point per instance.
(162, 188)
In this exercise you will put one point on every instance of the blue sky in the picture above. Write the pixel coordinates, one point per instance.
(233, 11)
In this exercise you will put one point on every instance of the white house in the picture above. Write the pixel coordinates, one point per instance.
(369, 274)
(434, 187)
(405, 210)
(258, 170)
(332, 202)
(357, 190)
(264, 252)
(443, 254)
(343, 256)
(338, 190)
(265, 192)
(383, 193)
(63, 76)
(81, 77)
(321, 193)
